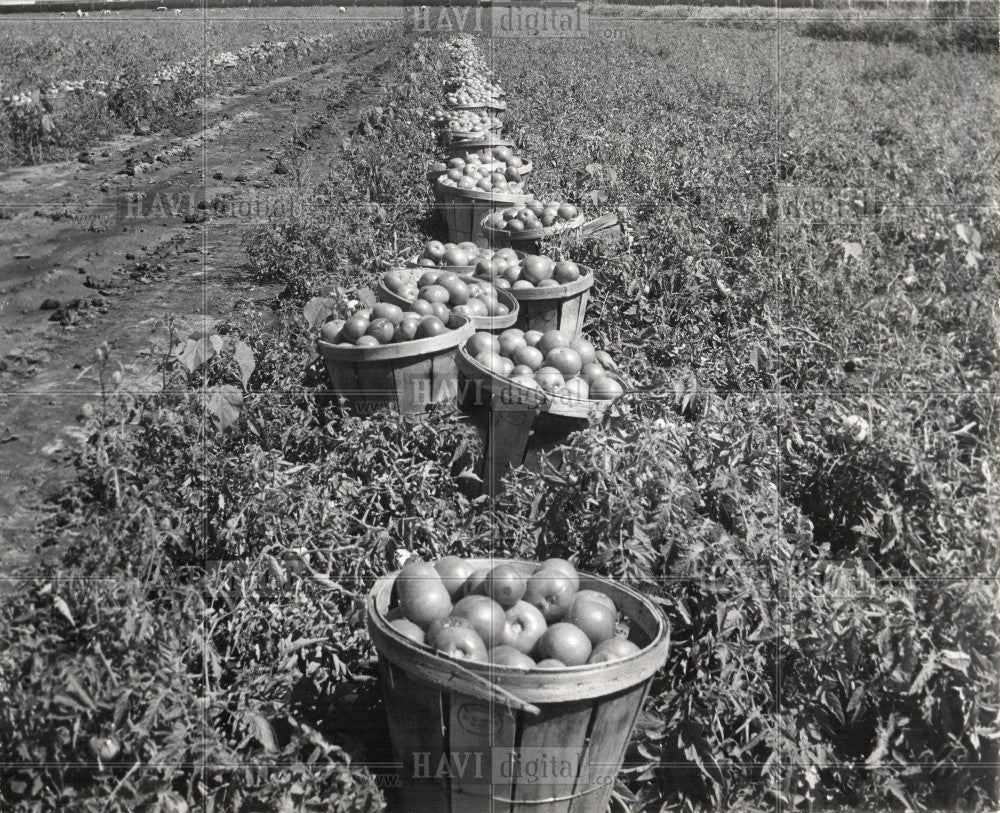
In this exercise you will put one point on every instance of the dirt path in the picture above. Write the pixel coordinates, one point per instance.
(114, 246)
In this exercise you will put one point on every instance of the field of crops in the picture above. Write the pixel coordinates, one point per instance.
(803, 293)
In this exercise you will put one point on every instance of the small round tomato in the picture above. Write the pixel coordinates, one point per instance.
(454, 572)
(551, 591)
(508, 656)
(596, 620)
(565, 642)
(613, 649)
(506, 584)
(487, 617)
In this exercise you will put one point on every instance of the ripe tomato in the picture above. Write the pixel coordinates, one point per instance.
(382, 330)
(428, 278)
(566, 271)
(409, 629)
(435, 627)
(550, 663)
(568, 211)
(565, 642)
(330, 333)
(421, 593)
(354, 328)
(430, 326)
(551, 591)
(566, 567)
(566, 360)
(481, 341)
(434, 250)
(453, 571)
(386, 310)
(421, 307)
(508, 656)
(368, 341)
(595, 619)
(605, 388)
(552, 339)
(613, 649)
(594, 595)
(533, 337)
(524, 626)
(486, 615)
(461, 643)
(441, 311)
(585, 349)
(393, 280)
(549, 379)
(455, 255)
(536, 268)
(407, 329)
(434, 293)
(510, 340)
(506, 584)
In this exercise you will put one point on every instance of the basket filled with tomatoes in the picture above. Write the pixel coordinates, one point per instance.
(486, 656)
(528, 390)
(524, 226)
(449, 296)
(391, 357)
(551, 294)
(470, 192)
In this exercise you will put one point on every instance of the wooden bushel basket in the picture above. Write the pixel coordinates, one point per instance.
(466, 209)
(560, 307)
(489, 727)
(406, 376)
(490, 323)
(518, 426)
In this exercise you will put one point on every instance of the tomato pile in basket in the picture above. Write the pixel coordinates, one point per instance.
(460, 298)
(505, 269)
(514, 614)
(534, 214)
(386, 323)
(551, 361)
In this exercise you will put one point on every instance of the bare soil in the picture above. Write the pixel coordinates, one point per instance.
(92, 250)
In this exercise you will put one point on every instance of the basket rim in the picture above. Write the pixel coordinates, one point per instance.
(534, 234)
(533, 685)
(455, 337)
(499, 198)
(495, 141)
(561, 406)
(497, 105)
(479, 322)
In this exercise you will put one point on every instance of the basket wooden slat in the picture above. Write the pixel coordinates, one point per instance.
(405, 376)
(560, 307)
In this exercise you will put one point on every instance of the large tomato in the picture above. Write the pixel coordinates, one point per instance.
(525, 625)
(613, 649)
(506, 584)
(508, 656)
(422, 595)
(409, 629)
(596, 619)
(565, 642)
(461, 643)
(454, 571)
(487, 617)
(551, 591)
(441, 624)
(565, 567)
